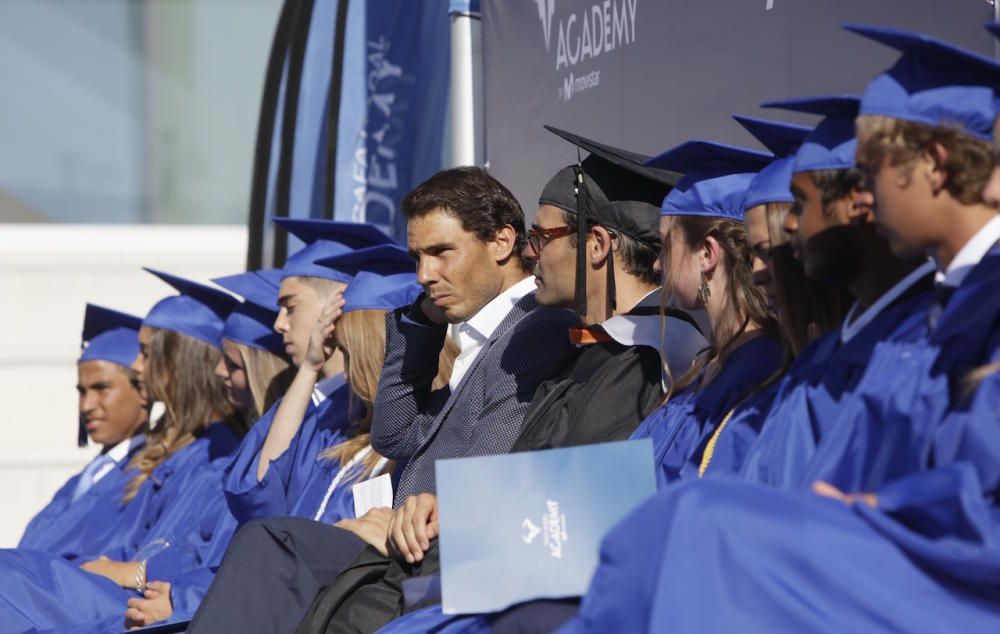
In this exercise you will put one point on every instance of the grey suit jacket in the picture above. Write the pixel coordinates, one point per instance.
(483, 416)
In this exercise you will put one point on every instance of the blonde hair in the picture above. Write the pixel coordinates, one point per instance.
(268, 376)
(180, 373)
(969, 163)
(361, 335)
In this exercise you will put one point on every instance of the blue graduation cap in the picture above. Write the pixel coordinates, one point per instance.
(994, 28)
(199, 311)
(772, 184)
(253, 325)
(258, 287)
(832, 144)
(383, 259)
(370, 291)
(716, 178)
(933, 82)
(779, 137)
(325, 239)
(110, 335)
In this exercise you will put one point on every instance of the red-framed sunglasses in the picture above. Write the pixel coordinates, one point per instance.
(538, 238)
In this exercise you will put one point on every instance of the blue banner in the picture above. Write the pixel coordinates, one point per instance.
(529, 525)
(392, 113)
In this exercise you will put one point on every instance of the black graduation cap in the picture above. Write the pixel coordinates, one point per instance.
(611, 188)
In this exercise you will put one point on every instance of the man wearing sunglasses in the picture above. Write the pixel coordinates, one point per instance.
(603, 267)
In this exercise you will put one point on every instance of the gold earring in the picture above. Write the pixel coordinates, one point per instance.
(704, 292)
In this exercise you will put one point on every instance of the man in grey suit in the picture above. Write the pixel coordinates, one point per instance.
(467, 234)
(466, 231)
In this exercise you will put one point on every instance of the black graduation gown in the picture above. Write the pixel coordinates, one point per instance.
(600, 395)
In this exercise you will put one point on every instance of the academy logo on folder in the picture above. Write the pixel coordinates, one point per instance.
(529, 525)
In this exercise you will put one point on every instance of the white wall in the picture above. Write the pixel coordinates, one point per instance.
(47, 274)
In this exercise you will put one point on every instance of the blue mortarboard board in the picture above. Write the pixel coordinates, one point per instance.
(716, 178)
(994, 28)
(325, 239)
(831, 145)
(258, 287)
(110, 335)
(772, 184)
(253, 325)
(199, 311)
(779, 137)
(933, 82)
(370, 291)
(382, 259)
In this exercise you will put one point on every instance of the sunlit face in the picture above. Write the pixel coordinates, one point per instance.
(903, 208)
(112, 409)
(555, 266)
(684, 267)
(460, 273)
(232, 370)
(300, 306)
(760, 246)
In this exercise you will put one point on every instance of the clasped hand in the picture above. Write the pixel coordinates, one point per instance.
(405, 533)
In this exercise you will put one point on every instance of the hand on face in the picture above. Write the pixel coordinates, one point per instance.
(459, 272)
(321, 342)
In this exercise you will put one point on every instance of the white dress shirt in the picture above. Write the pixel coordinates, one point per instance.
(473, 333)
(970, 255)
(855, 323)
(117, 453)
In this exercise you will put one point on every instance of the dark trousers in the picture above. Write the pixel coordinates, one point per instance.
(272, 571)
(535, 616)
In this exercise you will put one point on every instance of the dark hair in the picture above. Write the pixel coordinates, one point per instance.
(480, 202)
(805, 308)
(836, 184)
(637, 257)
(745, 301)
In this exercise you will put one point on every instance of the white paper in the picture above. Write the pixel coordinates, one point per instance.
(372, 494)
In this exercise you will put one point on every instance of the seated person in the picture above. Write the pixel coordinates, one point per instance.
(604, 391)
(359, 327)
(466, 232)
(114, 413)
(165, 521)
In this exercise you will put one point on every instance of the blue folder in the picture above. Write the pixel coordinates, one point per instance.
(529, 525)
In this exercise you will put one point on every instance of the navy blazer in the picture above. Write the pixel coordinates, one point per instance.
(483, 416)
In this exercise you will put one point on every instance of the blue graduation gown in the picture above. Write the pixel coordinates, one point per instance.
(57, 528)
(723, 555)
(812, 393)
(181, 502)
(895, 422)
(679, 428)
(927, 559)
(295, 484)
(288, 477)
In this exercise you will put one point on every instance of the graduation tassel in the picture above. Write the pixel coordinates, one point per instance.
(612, 302)
(81, 438)
(582, 207)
